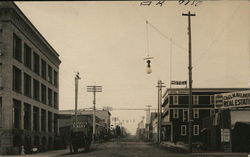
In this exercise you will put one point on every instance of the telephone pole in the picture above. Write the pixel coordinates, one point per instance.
(148, 115)
(94, 89)
(77, 77)
(159, 86)
(190, 120)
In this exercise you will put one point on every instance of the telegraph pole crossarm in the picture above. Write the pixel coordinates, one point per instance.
(190, 119)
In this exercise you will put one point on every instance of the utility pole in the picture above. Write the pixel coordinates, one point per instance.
(160, 85)
(148, 115)
(94, 89)
(77, 77)
(190, 119)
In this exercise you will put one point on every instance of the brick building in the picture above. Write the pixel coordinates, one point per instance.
(175, 111)
(29, 69)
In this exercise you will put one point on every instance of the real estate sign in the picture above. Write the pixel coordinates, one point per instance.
(233, 99)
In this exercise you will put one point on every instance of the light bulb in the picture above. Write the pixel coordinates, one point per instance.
(149, 70)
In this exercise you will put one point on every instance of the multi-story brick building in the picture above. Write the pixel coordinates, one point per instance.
(175, 111)
(29, 69)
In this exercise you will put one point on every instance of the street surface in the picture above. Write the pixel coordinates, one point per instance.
(127, 147)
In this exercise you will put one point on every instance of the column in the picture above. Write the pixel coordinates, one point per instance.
(40, 119)
(31, 117)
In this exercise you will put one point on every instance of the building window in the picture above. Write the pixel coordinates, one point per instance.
(27, 85)
(212, 100)
(17, 48)
(27, 56)
(55, 79)
(196, 113)
(183, 130)
(204, 100)
(35, 118)
(44, 69)
(49, 97)
(43, 120)
(49, 74)
(49, 121)
(196, 129)
(43, 92)
(27, 116)
(175, 102)
(36, 90)
(185, 115)
(36, 63)
(55, 123)
(16, 114)
(55, 100)
(196, 100)
(17, 79)
(175, 113)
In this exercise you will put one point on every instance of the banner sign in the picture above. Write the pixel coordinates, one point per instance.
(233, 99)
(179, 82)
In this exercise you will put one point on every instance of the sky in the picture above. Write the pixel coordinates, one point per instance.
(107, 41)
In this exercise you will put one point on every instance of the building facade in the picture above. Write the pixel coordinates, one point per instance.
(29, 74)
(175, 112)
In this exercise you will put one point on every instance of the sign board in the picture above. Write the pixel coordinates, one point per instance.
(225, 135)
(179, 82)
(233, 99)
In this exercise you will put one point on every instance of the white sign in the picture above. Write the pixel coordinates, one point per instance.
(225, 135)
(234, 99)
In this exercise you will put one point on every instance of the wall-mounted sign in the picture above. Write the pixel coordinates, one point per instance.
(225, 135)
(233, 99)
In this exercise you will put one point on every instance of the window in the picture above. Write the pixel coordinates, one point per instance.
(27, 56)
(183, 100)
(204, 100)
(55, 100)
(43, 120)
(49, 74)
(183, 130)
(212, 100)
(196, 113)
(175, 99)
(185, 115)
(196, 100)
(36, 90)
(49, 121)
(55, 123)
(49, 97)
(36, 63)
(27, 116)
(27, 85)
(43, 93)
(55, 79)
(35, 118)
(16, 114)
(196, 129)
(175, 113)
(44, 69)
(17, 48)
(17, 80)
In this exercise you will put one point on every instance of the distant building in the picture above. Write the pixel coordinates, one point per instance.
(67, 120)
(29, 69)
(175, 111)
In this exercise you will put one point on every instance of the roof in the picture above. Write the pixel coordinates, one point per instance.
(186, 90)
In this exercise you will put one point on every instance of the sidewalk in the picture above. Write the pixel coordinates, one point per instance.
(183, 148)
(47, 153)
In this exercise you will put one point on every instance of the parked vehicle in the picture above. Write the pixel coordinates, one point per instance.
(80, 137)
